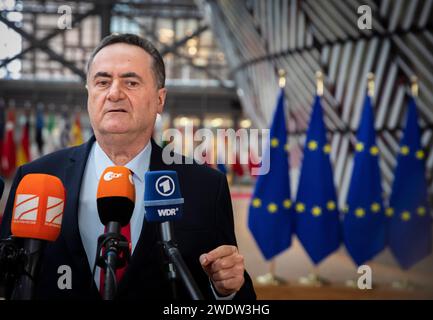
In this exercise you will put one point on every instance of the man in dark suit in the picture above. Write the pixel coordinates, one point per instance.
(125, 82)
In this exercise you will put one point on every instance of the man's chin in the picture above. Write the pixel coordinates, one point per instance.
(114, 131)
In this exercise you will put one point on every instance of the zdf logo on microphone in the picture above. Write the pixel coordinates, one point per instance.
(165, 186)
(110, 175)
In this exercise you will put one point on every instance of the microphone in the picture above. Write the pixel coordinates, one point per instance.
(115, 203)
(163, 204)
(37, 218)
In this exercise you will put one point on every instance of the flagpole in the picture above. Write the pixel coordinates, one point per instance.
(271, 278)
(370, 84)
(414, 87)
(404, 283)
(313, 278)
(352, 283)
(319, 83)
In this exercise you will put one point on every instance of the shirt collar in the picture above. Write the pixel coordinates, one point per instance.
(139, 164)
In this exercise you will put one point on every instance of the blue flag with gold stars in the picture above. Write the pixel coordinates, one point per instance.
(316, 213)
(364, 218)
(269, 213)
(410, 229)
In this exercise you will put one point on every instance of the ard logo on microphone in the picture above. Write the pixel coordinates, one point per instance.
(165, 186)
(27, 205)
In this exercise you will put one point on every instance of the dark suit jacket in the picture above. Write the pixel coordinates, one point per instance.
(207, 223)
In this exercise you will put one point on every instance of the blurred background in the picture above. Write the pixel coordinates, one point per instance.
(224, 60)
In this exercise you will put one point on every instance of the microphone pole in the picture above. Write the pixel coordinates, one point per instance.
(24, 288)
(174, 257)
(116, 243)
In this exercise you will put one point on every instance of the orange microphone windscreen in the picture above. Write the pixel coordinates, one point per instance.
(116, 182)
(38, 207)
(116, 195)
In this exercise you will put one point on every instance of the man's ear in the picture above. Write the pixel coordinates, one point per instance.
(162, 94)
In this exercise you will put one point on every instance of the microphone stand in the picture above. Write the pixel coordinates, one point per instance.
(25, 286)
(177, 265)
(115, 256)
(12, 265)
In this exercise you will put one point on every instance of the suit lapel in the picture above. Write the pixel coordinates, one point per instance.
(73, 176)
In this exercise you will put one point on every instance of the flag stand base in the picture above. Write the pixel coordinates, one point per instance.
(404, 284)
(270, 278)
(351, 283)
(313, 279)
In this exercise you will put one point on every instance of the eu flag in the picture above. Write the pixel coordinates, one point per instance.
(364, 219)
(317, 217)
(269, 213)
(410, 229)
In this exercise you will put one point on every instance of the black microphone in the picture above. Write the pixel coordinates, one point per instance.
(115, 202)
(163, 203)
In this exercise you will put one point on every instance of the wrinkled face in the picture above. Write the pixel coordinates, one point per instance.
(123, 97)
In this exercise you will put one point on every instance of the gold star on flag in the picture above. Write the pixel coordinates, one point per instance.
(300, 207)
(287, 147)
(421, 211)
(359, 147)
(404, 150)
(345, 208)
(374, 151)
(316, 211)
(312, 145)
(405, 215)
(272, 207)
(257, 203)
(287, 203)
(330, 205)
(274, 142)
(389, 212)
(375, 207)
(419, 154)
(327, 148)
(359, 212)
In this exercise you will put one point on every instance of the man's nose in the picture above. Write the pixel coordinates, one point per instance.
(115, 93)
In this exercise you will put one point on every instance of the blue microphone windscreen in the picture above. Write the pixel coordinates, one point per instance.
(162, 198)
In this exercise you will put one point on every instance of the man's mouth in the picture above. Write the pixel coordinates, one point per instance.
(116, 110)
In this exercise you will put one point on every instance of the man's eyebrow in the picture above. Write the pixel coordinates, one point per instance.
(131, 75)
(102, 74)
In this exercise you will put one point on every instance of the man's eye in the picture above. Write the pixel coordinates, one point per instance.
(102, 83)
(132, 83)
